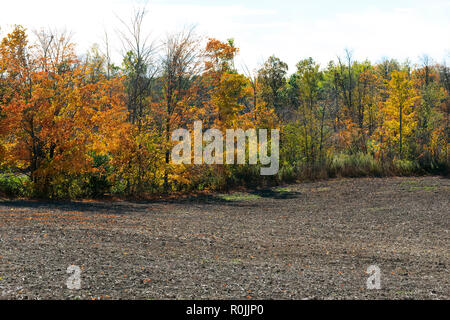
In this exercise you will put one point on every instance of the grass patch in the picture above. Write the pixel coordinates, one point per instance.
(410, 182)
(423, 188)
(282, 189)
(356, 165)
(378, 209)
(239, 197)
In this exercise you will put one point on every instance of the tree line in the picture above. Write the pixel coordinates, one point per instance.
(74, 126)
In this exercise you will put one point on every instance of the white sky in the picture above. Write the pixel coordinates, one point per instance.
(290, 29)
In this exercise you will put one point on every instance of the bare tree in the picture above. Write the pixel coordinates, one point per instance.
(427, 65)
(347, 86)
(140, 69)
(253, 78)
(180, 64)
(107, 55)
(55, 48)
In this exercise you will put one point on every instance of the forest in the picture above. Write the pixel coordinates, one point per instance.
(80, 126)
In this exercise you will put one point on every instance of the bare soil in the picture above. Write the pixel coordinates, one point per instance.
(304, 241)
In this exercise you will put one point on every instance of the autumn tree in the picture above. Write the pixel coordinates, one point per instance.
(16, 67)
(229, 96)
(429, 114)
(82, 126)
(180, 68)
(51, 121)
(399, 113)
(219, 57)
(444, 76)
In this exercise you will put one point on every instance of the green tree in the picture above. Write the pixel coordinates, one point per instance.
(272, 78)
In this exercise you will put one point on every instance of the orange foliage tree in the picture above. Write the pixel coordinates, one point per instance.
(58, 114)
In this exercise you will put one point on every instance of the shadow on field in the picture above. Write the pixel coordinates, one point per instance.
(237, 199)
(281, 193)
(89, 207)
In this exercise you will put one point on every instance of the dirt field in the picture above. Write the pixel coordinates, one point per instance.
(304, 241)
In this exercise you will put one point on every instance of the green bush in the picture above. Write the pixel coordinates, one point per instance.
(98, 183)
(12, 185)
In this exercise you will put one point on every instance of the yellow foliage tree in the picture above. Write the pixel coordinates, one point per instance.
(399, 113)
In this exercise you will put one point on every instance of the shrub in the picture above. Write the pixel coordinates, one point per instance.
(98, 183)
(406, 167)
(13, 185)
(355, 165)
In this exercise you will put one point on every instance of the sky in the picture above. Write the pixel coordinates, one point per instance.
(289, 29)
